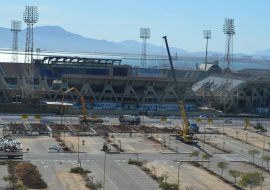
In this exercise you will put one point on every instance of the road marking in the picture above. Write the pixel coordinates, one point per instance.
(106, 176)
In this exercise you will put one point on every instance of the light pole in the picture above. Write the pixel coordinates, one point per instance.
(105, 149)
(176, 153)
(78, 156)
(203, 135)
(27, 150)
(83, 141)
(178, 173)
(58, 150)
(169, 141)
(120, 145)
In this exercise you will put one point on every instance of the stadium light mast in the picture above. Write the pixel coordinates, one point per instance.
(15, 28)
(30, 17)
(144, 35)
(207, 36)
(229, 31)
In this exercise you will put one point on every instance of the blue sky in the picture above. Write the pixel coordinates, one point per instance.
(181, 20)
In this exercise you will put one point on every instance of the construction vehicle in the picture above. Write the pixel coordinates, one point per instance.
(257, 126)
(129, 120)
(84, 118)
(186, 135)
(194, 127)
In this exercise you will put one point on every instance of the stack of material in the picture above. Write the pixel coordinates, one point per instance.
(10, 145)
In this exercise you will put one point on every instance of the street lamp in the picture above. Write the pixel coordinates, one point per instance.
(178, 172)
(58, 150)
(83, 141)
(176, 153)
(27, 150)
(105, 149)
(120, 145)
(169, 141)
(78, 156)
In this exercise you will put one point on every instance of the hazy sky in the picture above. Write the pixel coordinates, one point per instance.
(181, 20)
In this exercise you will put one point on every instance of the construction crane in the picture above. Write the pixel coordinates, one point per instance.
(84, 119)
(185, 134)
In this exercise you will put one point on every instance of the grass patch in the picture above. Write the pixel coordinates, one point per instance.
(79, 170)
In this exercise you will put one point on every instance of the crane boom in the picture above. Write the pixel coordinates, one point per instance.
(171, 63)
(185, 134)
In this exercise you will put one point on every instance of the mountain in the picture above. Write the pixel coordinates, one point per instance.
(55, 38)
(263, 52)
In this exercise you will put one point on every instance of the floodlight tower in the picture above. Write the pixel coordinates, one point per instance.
(144, 34)
(16, 27)
(229, 31)
(30, 17)
(207, 36)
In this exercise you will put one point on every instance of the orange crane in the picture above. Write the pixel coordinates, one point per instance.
(84, 118)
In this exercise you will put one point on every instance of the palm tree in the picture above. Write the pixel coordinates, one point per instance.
(253, 153)
(235, 174)
(222, 165)
(266, 158)
(195, 153)
(205, 156)
(251, 179)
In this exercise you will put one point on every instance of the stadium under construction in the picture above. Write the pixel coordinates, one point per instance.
(107, 84)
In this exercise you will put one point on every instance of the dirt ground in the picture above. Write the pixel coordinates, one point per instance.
(139, 144)
(252, 137)
(38, 144)
(92, 145)
(72, 181)
(190, 176)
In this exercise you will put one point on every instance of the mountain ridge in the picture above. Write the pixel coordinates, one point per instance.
(56, 38)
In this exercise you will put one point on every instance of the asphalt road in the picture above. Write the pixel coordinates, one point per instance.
(120, 175)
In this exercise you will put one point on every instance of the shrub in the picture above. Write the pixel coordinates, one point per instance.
(77, 170)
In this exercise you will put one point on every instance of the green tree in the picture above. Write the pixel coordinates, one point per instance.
(195, 153)
(266, 158)
(206, 156)
(253, 153)
(165, 177)
(223, 166)
(168, 186)
(154, 169)
(251, 179)
(235, 174)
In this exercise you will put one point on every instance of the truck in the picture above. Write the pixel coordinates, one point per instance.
(194, 127)
(129, 120)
